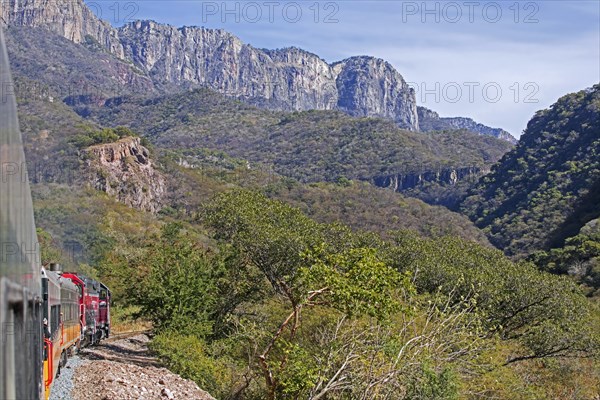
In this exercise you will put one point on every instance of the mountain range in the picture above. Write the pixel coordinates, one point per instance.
(288, 79)
(195, 142)
(328, 144)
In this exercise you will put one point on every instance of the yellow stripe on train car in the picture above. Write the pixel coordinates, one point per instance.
(46, 387)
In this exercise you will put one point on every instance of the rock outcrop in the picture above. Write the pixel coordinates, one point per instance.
(445, 176)
(288, 79)
(372, 87)
(431, 121)
(125, 171)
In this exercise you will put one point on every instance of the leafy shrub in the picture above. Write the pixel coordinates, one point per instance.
(186, 355)
(90, 137)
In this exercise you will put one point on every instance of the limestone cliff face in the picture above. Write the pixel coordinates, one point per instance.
(287, 79)
(430, 120)
(290, 79)
(372, 87)
(445, 176)
(71, 19)
(125, 171)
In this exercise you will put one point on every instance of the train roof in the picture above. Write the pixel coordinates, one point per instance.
(89, 283)
(20, 259)
(58, 279)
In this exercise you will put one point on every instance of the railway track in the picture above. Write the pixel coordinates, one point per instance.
(125, 335)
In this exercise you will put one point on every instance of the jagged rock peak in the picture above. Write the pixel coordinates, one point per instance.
(370, 86)
(290, 53)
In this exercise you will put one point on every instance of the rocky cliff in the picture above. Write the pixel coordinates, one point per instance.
(287, 79)
(372, 87)
(71, 19)
(445, 176)
(431, 121)
(125, 171)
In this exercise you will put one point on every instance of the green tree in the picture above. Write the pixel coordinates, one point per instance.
(548, 315)
(178, 288)
(309, 264)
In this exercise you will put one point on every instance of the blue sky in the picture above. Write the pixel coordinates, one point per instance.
(495, 61)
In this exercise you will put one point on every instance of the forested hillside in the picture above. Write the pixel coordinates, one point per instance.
(268, 302)
(308, 146)
(542, 193)
(548, 187)
(253, 279)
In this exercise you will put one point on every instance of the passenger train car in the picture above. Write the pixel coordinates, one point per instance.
(45, 315)
(20, 279)
(61, 323)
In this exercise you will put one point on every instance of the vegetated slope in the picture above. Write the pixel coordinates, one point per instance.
(47, 125)
(77, 74)
(195, 176)
(548, 187)
(486, 315)
(308, 146)
(56, 137)
(53, 77)
(579, 257)
(82, 225)
(365, 207)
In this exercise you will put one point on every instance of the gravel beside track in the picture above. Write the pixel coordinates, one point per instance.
(63, 384)
(122, 369)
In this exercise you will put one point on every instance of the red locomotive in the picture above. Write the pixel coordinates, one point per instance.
(94, 308)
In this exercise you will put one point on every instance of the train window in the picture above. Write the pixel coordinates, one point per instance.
(54, 319)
